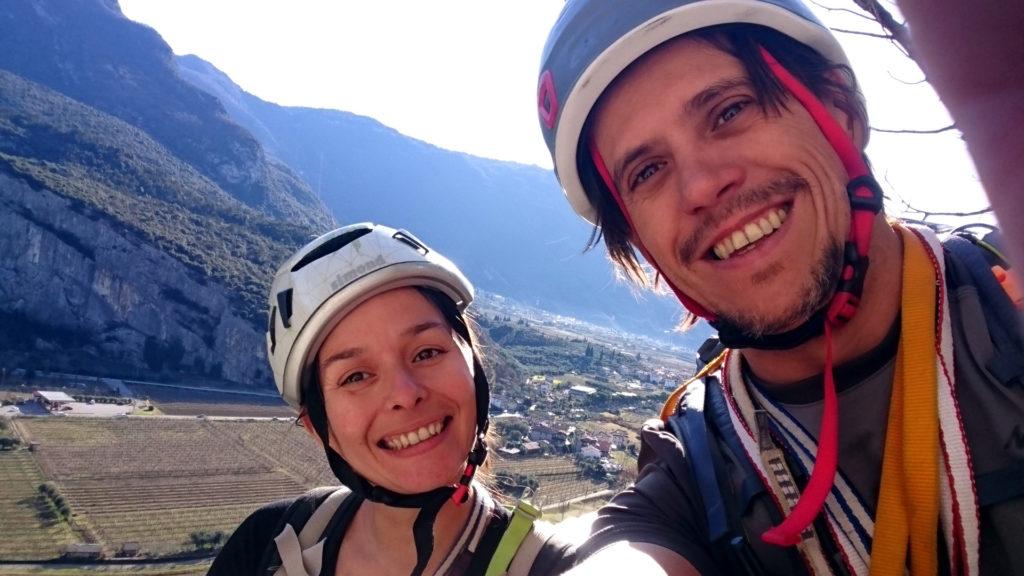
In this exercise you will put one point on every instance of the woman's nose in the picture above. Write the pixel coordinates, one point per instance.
(406, 390)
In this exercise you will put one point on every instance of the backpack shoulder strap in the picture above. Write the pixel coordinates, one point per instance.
(299, 553)
(516, 537)
(690, 426)
(970, 266)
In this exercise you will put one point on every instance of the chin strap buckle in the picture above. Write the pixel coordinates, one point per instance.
(851, 285)
(872, 201)
(476, 458)
(461, 493)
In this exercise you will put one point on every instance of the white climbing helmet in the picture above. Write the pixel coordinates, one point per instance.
(330, 276)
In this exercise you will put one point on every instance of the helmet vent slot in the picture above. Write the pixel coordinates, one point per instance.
(270, 329)
(414, 242)
(329, 247)
(284, 304)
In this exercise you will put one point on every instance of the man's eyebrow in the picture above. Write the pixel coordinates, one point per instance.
(348, 353)
(628, 159)
(705, 96)
(699, 101)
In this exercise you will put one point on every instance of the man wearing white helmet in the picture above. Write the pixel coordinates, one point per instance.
(723, 140)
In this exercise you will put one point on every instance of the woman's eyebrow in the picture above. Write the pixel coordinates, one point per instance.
(342, 355)
(423, 327)
(413, 330)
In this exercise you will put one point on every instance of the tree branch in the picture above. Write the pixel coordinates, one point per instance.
(897, 30)
(963, 214)
(861, 33)
(846, 10)
(935, 131)
(908, 82)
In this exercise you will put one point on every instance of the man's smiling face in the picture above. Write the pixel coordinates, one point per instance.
(743, 209)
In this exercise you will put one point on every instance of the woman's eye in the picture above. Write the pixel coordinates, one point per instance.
(644, 173)
(730, 112)
(354, 377)
(426, 354)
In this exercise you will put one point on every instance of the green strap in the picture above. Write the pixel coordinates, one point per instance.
(519, 527)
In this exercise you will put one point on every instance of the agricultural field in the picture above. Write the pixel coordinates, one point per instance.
(193, 402)
(288, 446)
(30, 529)
(155, 481)
(558, 478)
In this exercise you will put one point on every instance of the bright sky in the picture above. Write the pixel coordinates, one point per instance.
(461, 74)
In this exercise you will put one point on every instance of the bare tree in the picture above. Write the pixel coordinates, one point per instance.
(880, 22)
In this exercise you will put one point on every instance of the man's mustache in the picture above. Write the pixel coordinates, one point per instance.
(786, 187)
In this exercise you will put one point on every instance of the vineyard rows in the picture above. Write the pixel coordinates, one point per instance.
(25, 536)
(168, 531)
(289, 446)
(558, 479)
(155, 481)
(164, 493)
(133, 447)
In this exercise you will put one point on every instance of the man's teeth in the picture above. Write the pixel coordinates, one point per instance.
(750, 233)
(414, 437)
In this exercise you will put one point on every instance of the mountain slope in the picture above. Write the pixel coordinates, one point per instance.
(88, 50)
(139, 225)
(506, 224)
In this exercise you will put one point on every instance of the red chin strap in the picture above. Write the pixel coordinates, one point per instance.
(865, 202)
(476, 458)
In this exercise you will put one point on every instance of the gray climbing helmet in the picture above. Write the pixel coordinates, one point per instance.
(593, 41)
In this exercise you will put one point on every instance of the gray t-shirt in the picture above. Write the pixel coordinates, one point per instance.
(664, 506)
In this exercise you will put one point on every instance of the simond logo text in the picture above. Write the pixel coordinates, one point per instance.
(342, 280)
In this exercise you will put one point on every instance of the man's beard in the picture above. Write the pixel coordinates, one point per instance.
(813, 296)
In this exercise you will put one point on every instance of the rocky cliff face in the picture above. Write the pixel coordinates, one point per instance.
(103, 293)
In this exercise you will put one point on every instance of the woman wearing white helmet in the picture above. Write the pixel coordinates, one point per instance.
(369, 341)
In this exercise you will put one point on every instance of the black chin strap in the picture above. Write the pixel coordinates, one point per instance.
(423, 531)
(734, 337)
(846, 298)
(429, 503)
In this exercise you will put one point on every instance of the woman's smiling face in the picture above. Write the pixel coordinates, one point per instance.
(399, 393)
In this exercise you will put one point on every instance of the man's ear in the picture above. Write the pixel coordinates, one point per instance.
(859, 130)
(850, 114)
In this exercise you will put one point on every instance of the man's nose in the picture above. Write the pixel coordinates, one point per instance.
(703, 180)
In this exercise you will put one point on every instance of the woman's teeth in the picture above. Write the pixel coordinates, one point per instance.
(414, 437)
(750, 233)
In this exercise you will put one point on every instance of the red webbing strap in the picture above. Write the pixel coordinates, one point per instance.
(865, 202)
(865, 197)
(461, 493)
(825, 464)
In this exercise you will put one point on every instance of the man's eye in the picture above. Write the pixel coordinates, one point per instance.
(730, 112)
(644, 173)
(426, 354)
